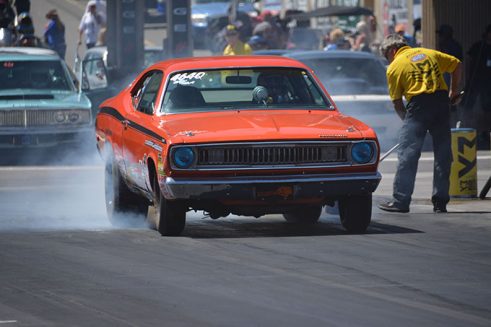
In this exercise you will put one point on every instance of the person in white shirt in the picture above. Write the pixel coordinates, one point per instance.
(91, 24)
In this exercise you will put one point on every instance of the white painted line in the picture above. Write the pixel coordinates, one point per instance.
(8, 321)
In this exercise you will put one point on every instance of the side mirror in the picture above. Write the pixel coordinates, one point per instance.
(94, 75)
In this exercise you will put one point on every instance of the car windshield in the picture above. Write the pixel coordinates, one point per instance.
(37, 75)
(343, 76)
(208, 90)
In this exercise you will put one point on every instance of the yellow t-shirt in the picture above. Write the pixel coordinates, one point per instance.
(418, 70)
(240, 48)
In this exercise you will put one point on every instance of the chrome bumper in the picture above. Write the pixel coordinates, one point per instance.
(259, 187)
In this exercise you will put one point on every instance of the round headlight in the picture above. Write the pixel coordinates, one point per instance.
(362, 152)
(183, 157)
(73, 117)
(60, 117)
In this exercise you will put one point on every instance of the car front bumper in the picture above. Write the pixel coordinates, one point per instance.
(262, 187)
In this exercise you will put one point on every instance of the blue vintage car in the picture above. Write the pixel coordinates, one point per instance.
(41, 104)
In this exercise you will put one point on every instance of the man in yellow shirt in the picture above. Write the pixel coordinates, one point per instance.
(417, 74)
(235, 46)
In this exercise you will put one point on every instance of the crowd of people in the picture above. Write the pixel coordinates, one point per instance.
(18, 26)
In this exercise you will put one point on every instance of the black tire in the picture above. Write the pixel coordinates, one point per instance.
(123, 206)
(308, 215)
(355, 212)
(170, 216)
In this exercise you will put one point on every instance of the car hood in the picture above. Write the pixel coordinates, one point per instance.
(253, 126)
(38, 99)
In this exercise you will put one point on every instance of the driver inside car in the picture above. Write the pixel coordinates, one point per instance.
(277, 87)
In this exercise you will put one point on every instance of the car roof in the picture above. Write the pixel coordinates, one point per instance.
(316, 54)
(27, 53)
(227, 62)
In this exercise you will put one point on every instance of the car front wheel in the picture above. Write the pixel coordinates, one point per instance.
(170, 216)
(355, 212)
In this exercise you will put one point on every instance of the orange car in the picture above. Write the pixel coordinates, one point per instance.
(243, 135)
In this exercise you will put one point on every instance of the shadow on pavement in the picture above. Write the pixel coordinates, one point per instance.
(249, 227)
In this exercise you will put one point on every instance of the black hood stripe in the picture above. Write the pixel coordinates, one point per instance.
(116, 114)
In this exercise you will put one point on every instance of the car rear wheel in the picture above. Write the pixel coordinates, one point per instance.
(355, 212)
(170, 216)
(307, 215)
(123, 206)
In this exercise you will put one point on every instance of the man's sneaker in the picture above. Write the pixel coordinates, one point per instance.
(392, 207)
(440, 209)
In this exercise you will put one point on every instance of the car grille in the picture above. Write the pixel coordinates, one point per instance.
(299, 154)
(28, 118)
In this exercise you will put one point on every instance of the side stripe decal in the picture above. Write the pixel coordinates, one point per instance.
(114, 113)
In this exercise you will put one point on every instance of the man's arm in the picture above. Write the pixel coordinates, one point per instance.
(399, 107)
(455, 81)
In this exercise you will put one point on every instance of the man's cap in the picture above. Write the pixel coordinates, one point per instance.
(445, 29)
(257, 39)
(231, 30)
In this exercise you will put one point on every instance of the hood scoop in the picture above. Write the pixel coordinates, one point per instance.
(27, 97)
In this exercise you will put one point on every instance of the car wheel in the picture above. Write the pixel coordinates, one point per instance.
(170, 216)
(123, 206)
(307, 216)
(355, 212)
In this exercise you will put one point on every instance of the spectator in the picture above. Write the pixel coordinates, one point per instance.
(54, 34)
(335, 37)
(22, 6)
(478, 88)
(25, 25)
(401, 30)
(416, 74)
(234, 45)
(257, 42)
(271, 30)
(90, 24)
(7, 15)
(446, 42)
(362, 39)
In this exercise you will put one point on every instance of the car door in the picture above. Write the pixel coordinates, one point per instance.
(95, 81)
(138, 137)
